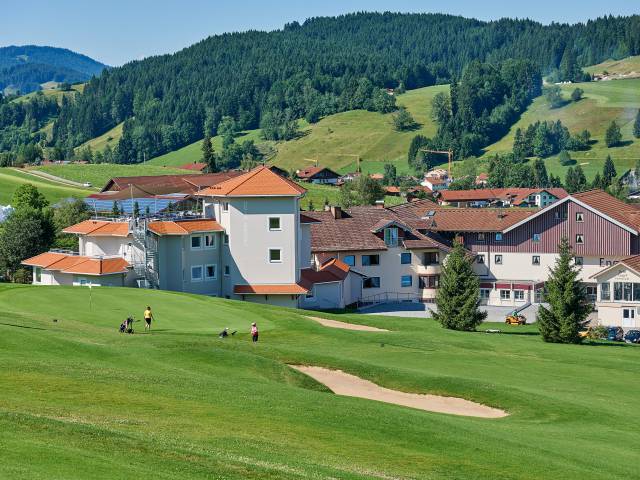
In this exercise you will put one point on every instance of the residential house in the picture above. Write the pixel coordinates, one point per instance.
(501, 197)
(320, 175)
(618, 298)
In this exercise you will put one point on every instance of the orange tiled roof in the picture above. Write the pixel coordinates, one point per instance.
(184, 227)
(275, 289)
(99, 228)
(260, 181)
(77, 264)
(196, 166)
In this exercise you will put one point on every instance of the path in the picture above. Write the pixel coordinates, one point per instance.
(345, 326)
(342, 383)
(51, 178)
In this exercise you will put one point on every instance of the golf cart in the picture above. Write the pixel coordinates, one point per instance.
(632, 336)
(515, 319)
(615, 334)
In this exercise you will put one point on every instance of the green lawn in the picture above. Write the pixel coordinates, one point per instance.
(624, 66)
(110, 138)
(317, 194)
(81, 401)
(11, 179)
(99, 174)
(603, 102)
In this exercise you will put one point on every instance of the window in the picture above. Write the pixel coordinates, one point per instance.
(350, 260)
(536, 237)
(196, 273)
(429, 281)
(579, 217)
(210, 272)
(636, 292)
(605, 292)
(371, 282)
(579, 239)
(505, 294)
(368, 260)
(274, 223)
(406, 281)
(498, 259)
(405, 258)
(480, 258)
(196, 243)
(226, 239)
(209, 241)
(227, 271)
(431, 258)
(38, 274)
(225, 206)
(481, 237)
(622, 291)
(275, 255)
(498, 237)
(579, 261)
(518, 295)
(484, 293)
(391, 237)
(535, 260)
(561, 214)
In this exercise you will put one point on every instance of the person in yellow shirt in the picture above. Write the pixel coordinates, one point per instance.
(148, 316)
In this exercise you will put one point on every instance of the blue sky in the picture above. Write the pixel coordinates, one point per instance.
(117, 31)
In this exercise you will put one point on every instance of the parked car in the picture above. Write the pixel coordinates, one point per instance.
(87, 184)
(615, 334)
(632, 336)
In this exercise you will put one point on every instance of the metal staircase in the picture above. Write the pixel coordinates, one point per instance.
(145, 265)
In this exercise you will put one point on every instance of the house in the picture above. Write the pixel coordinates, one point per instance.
(501, 197)
(618, 297)
(250, 241)
(320, 175)
(482, 180)
(194, 167)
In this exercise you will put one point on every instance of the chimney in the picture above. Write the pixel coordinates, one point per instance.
(336, 212)
(379, 203)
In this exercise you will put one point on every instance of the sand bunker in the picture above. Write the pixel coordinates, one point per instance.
(343, 383)
(345, 326)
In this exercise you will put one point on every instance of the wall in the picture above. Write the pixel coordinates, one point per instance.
(325, 296)
(290, 301)
(610, 312)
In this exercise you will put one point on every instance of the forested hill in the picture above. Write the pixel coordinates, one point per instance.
(323, 66)
(24, 68)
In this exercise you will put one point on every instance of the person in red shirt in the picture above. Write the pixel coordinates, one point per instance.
(254, 332)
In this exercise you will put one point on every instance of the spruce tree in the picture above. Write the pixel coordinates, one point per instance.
(581, 179)
(608, 171)
(570, 182)
(613, 137)
(458, 296)
(567, 298)
(636, 126)
(519, 146)
(541, 178)
(208, 155)
(598, 182)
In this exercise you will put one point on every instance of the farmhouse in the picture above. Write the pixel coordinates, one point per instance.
(320, 175)
(501, 197)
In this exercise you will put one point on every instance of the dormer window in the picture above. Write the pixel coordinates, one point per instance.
(391, 236)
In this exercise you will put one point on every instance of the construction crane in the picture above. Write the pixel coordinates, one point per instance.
(448, 153)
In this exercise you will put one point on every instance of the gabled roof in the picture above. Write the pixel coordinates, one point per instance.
(633, 263)
(259, 182)
(309, 173)
(270, 289)
(99, 228)
(467, 219)
(195, 167)
(81, 265)
(150, 185)
(184, 227)
(333, 270)
(516, 195)
(388, 222)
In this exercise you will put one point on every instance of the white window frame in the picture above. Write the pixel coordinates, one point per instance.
(196, 279)
(518, 295)
(213, 241)
(505, 294)
(207, 278)
(496, 257)
(200, 237)
(480, 259)
(580, 217)
(533, 260)
(279, 228)
(274, 250)
(485, 293)
(579, 238)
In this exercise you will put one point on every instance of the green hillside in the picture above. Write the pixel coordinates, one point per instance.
(603, 102)
(11, 179)
(625, 66)
(110, 138)
(82, 401)
(99, 174)
(338, 140)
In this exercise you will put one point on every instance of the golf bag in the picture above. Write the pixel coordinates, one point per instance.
(127, 326)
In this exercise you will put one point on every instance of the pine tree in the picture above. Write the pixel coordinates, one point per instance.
(598, 182)
(636, 126)
(519, 146)
(567, 298)
(458, 296)
(608, 171)
(541, 178)
(613, 137)
(581, 179)
(208, 155)
(570, 182)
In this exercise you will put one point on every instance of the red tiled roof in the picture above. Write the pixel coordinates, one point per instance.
(184, 227)
(624, 213)
(333, 270)
(265, 289)
(260, 181)
(77, 264)
(150, 185)
(307, 219)
(516, 195)
(99, 228)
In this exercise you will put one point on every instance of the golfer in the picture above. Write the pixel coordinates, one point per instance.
(254, 332)
(148, 316)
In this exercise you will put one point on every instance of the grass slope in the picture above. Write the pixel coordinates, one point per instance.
(57, 94)
(11, 179)
(111, 138)
(624, 66)
(80, 400)
(603, 102)
(99, 174)
(318, 194)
